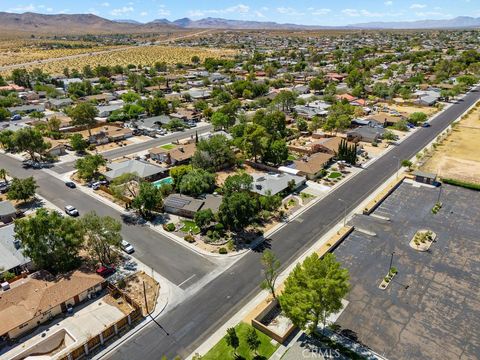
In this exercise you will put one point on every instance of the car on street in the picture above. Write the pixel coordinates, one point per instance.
(72, 211)
(426, 125)
(70, 184)
(105, 270)
(127, 247)
(16, 117)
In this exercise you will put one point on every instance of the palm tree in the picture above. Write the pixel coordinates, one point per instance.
(3, 175)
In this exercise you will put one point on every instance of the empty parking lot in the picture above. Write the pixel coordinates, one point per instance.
(431, 310)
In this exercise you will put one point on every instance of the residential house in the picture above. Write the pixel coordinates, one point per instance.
(179, 155)
(187, 206)
(105, 110)
(12, 258)
(385, 119)
(8, 213)
(109, 133)
(25, 109)
(40, 297)
(56, 104)
(150, 126)
(365, 133)
(312, 166)
(143, 169)
(328, 145)
(275, 183)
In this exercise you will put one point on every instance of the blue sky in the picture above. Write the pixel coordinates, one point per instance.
(310, 12)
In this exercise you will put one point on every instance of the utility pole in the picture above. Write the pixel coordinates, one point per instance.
(439, 194)
(145, 297)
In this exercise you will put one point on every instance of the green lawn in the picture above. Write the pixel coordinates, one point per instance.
(221, 351)
(168, 146)
(190, 227)
(334, 175)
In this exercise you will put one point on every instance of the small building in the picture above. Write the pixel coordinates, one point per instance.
(366, 133)
(7, 212)
(275, 183)
(182, 205)
(312, 166)
(40, 297)
(179, 155)
(55, 104)
(425, 178)
(11, 255)
(26, 109)
(143, 169)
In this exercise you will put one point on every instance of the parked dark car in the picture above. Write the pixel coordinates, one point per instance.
(105, 271)
(426, 125)
(70, 184)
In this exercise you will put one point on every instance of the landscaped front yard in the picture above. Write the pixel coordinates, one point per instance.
(190, 227)
(221, 351)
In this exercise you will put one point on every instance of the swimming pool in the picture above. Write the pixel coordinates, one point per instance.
(161, 182)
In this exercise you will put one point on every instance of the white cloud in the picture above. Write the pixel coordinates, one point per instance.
(388, 3)
(259, 14)
(428, 14)
(105, 4)
(143, 13)
(418, 6)
(289, 11)
(122, 11)
(236, 9)
(163, 11)
(367, 13)
(319, 12)
(23, 8)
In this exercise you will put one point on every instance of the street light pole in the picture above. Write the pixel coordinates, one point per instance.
(391, 261)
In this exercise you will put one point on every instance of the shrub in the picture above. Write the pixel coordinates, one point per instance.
(467, 185)
(121, 284)
(189, 238)
(169, 227)
(222, 251)
(7, 276)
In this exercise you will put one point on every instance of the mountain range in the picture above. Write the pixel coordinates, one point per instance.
(33, 23)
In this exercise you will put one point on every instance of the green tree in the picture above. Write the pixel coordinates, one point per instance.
(219, 120)
(204, 218)
(197, 182)
(101, 235)
(84, 115)
(51, 240)
(4, 114)
(276, 153)
(21, 77)
(286, 99)
(237, 210)
(88, 166)
(213, 154)
(236, 183)
(178, 172)
(6, 140)
(22, 189)
(252, 340)
(254, 141)
(314, 290)
(271, 267)
(302, 124)
(232, 339)
(125, 184)
(149, 198)
(417, 118)
(78, 143)
(29, 140)
(407, 163)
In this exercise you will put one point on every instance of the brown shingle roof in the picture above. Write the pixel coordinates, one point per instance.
(39, 293)
(313, 164)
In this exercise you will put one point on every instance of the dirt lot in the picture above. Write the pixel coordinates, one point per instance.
(222, 175)
(134, 289)
(458, 156)
(407, 110)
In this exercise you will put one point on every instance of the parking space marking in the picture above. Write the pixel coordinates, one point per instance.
(186, 280)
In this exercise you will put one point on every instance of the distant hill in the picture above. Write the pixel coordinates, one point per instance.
(458, 22)
(66, 24)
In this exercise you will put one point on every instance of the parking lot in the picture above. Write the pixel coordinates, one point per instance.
(431, 309)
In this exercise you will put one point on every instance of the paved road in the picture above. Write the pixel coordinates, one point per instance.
(135, 148)
(171, 260)
(194, 320)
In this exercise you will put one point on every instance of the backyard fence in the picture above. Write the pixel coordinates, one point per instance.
(111, 331)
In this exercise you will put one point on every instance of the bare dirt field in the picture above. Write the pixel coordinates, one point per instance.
(408, 109)
(458, 156)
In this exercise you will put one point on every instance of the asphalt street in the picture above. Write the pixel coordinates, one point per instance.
(171, 260)
(135, 148)
(194, 320)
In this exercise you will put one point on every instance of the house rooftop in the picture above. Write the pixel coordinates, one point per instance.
(10, 255)
(273, 183)
(6, 208)
(141, 168)
(39, 293)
